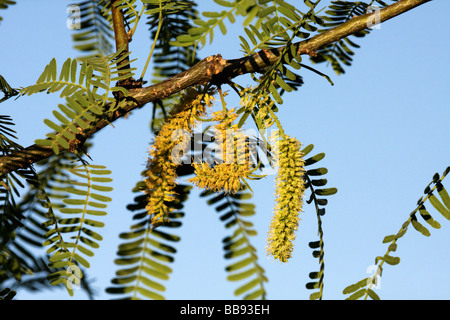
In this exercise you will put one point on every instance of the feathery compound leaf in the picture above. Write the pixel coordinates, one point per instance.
(77, 227)
(143, 262)
(340, 53)
(392, 239)
(49, 82)
(37, 207)
(93, 33)
(317, 246)
(237, 246)
(15, 260)
(84, 103)
(199, 35)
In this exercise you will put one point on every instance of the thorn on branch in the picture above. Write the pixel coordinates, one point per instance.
(130, 35)
(311, 53)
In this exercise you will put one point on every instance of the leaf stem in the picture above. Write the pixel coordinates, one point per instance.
(160, 23)
(138, 18)
(277, 122)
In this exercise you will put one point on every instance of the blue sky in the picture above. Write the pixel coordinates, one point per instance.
(383, 126)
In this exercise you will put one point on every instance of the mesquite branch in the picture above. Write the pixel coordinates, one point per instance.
(213, 69)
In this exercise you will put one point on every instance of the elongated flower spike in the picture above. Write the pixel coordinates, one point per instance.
(289, 193)
(161, 167)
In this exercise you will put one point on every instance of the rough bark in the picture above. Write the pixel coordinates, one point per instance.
(213, 69)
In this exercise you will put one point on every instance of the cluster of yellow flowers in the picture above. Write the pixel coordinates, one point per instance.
(221, 177)
(231, 167)
(161, 169)
(260, 104)
(289, 193)
(225, 175)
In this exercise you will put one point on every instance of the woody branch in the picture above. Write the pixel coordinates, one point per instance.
(213, 69)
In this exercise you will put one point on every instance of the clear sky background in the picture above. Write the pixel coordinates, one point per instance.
(384, 127)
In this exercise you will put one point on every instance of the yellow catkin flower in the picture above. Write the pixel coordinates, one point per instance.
(289, 193)
(220, 177)
(161, 168)
(235, 164)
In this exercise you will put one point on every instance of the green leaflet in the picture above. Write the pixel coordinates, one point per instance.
(149, 294)
(358, 294)
(314, 159)
(245, 269)
(419, 227)
(242, 275)
(388, 259)
(428, 218)
(239, 264)
(439, 206)
(389, 238)
(443, 194)
(354, 287)
(317, 172)
(372, 294)
(326, 191)
(247, 287)
(76, 226)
